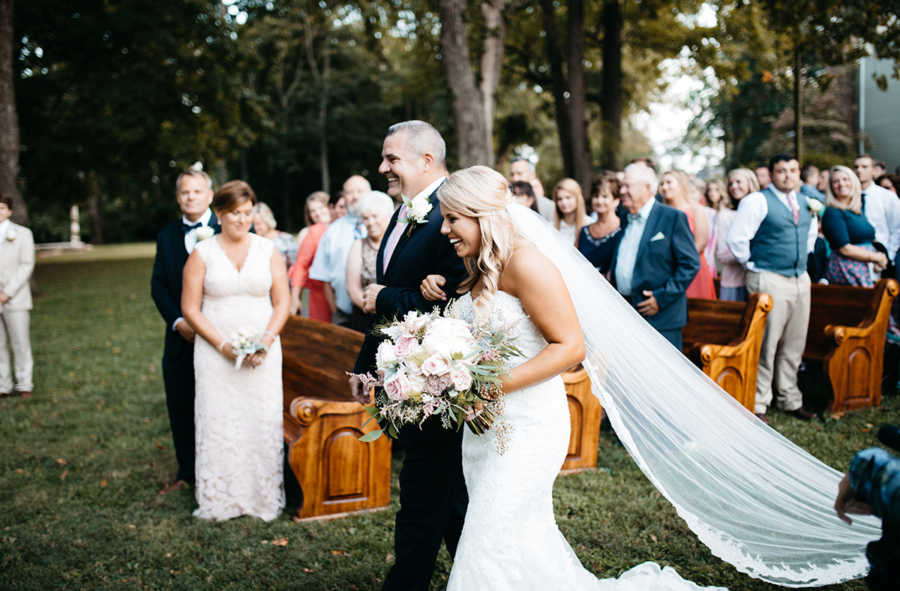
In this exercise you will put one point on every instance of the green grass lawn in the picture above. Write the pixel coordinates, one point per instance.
(80, 464)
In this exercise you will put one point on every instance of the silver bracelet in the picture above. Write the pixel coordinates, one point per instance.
(221, 346)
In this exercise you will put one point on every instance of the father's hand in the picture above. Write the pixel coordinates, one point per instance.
(185, 330)
(358, 391)
(648, 307)
(846, 501)
(370, 296)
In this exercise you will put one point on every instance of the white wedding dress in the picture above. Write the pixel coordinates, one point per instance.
(510, 541)
(238, 412)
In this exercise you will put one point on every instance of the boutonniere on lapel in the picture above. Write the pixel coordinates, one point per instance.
(204, 232)
(417, 210)
(11, 235)
(815, 206)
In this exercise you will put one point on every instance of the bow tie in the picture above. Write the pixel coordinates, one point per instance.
(188, 227)
(633, 217)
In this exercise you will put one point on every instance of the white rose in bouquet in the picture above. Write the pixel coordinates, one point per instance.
(386, 355)
(450, 338)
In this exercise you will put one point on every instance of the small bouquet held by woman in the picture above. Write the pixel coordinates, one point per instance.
(437, 365)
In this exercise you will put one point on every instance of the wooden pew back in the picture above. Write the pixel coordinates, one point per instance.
(717, 322)
(839, 305)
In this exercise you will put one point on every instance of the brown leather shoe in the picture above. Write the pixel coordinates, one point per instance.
(801, 413)
(5, 394)
(177, 485)
(762, 417)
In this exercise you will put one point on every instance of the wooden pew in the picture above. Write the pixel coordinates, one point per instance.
(847, 328)
(585, 414)
(322, 424)
(724, 340)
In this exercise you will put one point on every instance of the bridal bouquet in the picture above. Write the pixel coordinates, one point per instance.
(245, 342)
(437, 365)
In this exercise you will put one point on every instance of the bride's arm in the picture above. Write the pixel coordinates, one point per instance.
(532, 278)
(192, 297)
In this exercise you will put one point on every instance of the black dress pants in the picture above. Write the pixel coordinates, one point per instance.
(433, 503)
(178, 377)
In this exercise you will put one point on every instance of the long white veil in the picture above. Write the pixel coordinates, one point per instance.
(754, 498)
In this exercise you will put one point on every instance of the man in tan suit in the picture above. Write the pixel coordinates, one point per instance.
(16, 265)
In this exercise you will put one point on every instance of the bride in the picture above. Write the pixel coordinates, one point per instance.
(521, 274)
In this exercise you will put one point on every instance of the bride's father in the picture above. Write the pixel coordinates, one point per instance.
(432, 488)
(193, 192)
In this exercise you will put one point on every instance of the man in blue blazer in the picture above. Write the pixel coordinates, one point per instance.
(656, 259)
(433, 495)
(193, 192)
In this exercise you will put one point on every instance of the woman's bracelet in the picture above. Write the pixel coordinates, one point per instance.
(269, 333)
(221, 347)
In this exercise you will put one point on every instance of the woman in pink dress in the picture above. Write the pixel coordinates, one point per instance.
(317, 220)
(678, 192)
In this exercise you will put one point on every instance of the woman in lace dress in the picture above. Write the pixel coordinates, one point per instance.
(510, 540)
(236, 281)
(375, 209)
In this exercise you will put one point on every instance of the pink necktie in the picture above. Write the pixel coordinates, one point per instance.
(795, 211)
(394, 238)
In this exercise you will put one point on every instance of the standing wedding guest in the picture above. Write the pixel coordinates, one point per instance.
(822, 185)
(521, 169)
(375, 209)
(732, 287)
(265, 225)
(879, 167)
(891, 182)
(315, 211)
(330, 263)
(656, 258)
(809, 176)
(763, 176)
(849, 233)
(676, 189)
(432, 487)
(717, 200)
(598, 241)
(337, 206)
(193, 192)
(317, 217)
(523, 194)
(772, 236)
(16, 266)
(235, 286)
(880, 206)
(569, 216)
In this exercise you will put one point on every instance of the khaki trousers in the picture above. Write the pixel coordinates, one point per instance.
(14, 327)
(784, 339)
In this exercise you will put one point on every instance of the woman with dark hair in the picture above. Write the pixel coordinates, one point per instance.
(891, 182)
(598, 241)
(235, 297)
(523, 193)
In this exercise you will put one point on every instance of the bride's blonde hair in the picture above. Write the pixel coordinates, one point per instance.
(482, 193)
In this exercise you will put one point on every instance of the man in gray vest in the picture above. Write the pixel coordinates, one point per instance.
(772, 235)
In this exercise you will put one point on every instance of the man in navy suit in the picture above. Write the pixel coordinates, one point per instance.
(656, 259)
(433, 495)
(193, 192)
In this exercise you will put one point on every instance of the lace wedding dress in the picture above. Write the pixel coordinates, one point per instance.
(238, 412)
(510, 540)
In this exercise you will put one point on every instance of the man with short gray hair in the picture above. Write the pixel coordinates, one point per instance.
(523, 170)
(656, 259)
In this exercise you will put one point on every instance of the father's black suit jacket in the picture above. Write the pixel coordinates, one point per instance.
(178, 354)
(421, 252)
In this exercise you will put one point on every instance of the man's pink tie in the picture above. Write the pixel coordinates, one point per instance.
(394, 238)
(795, 211)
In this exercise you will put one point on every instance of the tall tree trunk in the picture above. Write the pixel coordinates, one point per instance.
(491, 62)
(468, 104)
(612, 102)
(9, 122)
(323, 123)
(798, 105)
(560, 87)
(581, 149)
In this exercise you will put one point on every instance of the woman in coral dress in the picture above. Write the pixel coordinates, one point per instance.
(676, 189)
